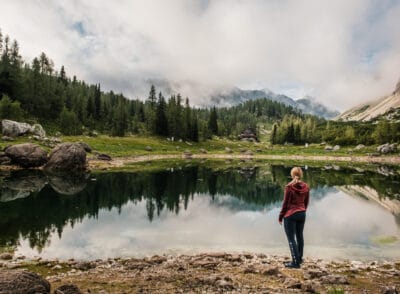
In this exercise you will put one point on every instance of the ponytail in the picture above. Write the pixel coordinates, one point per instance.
(296, 174)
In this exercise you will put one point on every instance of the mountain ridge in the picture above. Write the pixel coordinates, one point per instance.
(231, 96)
(374, 109)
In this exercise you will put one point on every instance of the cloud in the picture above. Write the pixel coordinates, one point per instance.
(342, 52)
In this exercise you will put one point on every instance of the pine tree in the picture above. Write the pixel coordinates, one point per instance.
(152, 97)
(213, 121)
(161, 118)
(97, 102)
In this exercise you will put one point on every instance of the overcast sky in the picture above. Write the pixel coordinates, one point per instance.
(342, 52)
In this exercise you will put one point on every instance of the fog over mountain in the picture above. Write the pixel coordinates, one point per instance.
(341, 52)
(229, 96)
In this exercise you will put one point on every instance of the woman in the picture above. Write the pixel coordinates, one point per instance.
(293, 213)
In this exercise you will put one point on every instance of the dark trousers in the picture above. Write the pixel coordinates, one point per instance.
(294, 225)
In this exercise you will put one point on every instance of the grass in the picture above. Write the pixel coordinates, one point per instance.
(136, 145)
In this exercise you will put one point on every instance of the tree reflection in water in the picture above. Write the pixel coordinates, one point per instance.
(33, 205)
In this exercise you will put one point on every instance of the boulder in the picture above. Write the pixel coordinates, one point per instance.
(38, 130)
(328, 148)
(85, 146)
(4, 159)
(67, 157)
(19, 281)
(12, 128)
(336, 147)
(67, 289)
(26, 155)
(148, 148)
(387, 148)
(359, 147)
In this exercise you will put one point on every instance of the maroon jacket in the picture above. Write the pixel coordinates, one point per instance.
(296, 199)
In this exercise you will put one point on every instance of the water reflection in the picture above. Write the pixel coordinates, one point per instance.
(200, 206)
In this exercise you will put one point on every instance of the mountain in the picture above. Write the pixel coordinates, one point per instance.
(307, 104)
(205, 96)
(387, 107)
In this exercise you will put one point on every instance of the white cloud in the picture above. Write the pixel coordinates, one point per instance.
(342, 52)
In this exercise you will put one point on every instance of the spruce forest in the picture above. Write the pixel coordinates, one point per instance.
(39, 92)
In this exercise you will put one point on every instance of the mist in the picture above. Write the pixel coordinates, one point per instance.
(341, 52)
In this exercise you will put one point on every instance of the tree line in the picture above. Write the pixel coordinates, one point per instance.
(297, 129)
(36, 92)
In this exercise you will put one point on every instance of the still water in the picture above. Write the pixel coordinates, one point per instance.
(191, 207)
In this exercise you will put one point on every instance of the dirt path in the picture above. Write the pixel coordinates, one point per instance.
(121, 161)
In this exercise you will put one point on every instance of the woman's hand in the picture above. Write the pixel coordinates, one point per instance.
(280, 222)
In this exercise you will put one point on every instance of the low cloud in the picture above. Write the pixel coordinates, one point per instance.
(341, 52)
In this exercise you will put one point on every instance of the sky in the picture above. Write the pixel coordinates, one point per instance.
(341, 52)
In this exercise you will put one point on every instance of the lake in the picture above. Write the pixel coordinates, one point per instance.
(191, 207)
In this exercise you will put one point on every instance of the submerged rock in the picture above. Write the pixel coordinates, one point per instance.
(26, 155)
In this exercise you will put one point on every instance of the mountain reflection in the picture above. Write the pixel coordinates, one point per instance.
(33, 206)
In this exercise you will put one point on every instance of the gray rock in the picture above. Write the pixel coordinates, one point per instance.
(328, 148)
(85, 146)
(12, 128)
(387, 148)
(271, 271)
(85, 265)
(334, 279)
(228, 150)
(4, 159)
(311, 287)
(336, 148)
(202, 150)
(19, 281)
(6, 138)
(38, 130)
(104, 157)
(389, 290)
(68, 289)
(315, 273)
(27, 155)
(291, 283)
(67, 157)
(359, 147)
(148, 148)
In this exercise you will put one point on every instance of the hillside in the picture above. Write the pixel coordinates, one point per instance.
(307, 105)
(383, 107)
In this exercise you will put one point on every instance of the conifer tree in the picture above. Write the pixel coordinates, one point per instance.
(161, 118)
(213, 122)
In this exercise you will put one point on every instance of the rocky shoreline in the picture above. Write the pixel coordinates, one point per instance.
(203, 273)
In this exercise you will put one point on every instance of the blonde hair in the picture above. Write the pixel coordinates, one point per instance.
(296, 173)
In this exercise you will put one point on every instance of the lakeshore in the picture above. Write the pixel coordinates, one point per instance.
(213, 273)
